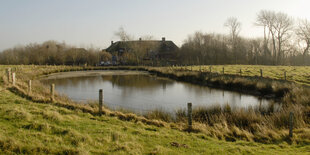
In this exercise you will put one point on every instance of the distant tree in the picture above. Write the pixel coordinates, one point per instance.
(147, 37)
(201, 48)
(254, 51)
(72, 56)
(105, 56)
(234, 27)
(52, 53)
(303, 33)
(279, 26)
(123, 35)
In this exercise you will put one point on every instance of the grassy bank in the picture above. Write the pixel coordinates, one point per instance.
(212, 125)
(28, 128)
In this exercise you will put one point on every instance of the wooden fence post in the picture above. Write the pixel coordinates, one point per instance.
(29, 87)
(13, 79)
(223, 70)
(191, 68)
(291, 121)
(240, 72)
(8, 72)
(261, 73)
(100, 101)
(284, 75)
(200, 68)
(210, 69)
(52, 91)
(189, 115)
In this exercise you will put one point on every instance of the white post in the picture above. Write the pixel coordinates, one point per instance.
(8, 72)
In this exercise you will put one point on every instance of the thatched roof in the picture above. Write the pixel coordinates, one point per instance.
(154, 45)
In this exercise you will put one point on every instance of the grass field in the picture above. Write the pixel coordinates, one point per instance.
(28, 127)
(298, 74)
(34, 125)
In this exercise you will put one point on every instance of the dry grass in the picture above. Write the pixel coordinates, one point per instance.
(260, 125)
(159, 115)
(248, 124)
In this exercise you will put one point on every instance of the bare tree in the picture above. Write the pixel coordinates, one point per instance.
(266, 19)
(283, 26)
(279, 26)
(234, 27)
(123, 35)
(303, 33)
(147, 37)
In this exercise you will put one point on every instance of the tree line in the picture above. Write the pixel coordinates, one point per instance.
(53, 53)
(285, 41)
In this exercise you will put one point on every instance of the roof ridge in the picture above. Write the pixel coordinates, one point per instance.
(143, 40)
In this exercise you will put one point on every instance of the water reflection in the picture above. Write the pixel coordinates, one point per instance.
(132, 82)
(142, 93)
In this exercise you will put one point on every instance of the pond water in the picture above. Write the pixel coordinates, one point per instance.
(141, 92)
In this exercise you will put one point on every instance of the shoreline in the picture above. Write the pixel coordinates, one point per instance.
(83, 73)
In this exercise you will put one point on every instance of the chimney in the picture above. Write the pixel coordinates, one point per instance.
(140, 39)
(163, 39)
(112, 42)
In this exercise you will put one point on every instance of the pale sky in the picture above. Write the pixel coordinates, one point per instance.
(86, 23)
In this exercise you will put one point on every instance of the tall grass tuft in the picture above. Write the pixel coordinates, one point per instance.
(159, 115)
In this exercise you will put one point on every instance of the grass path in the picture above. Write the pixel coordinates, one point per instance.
(27, 127)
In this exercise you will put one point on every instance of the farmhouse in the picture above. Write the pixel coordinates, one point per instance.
(145, 49)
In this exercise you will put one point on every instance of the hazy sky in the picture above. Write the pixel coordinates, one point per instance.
(93, 22)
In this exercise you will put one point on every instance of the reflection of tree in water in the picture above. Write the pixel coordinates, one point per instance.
(196, 89)
(137, 81)
(232, 98)
(127, 82)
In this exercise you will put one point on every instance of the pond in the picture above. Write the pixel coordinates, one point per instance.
(141, 92)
